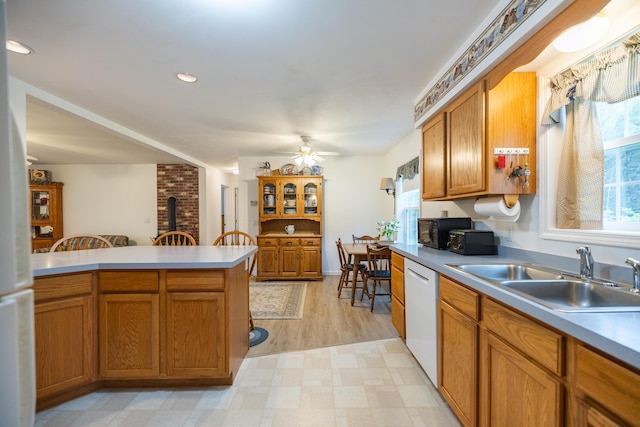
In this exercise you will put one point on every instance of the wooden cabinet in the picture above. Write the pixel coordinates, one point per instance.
(189, 341)
(65, 335)
(458, 158)
(397, 294)
(45, 202)
(521, 370)
(289, 257)
(285, 201)
(458, 332)
(605, 393)
(129, 325)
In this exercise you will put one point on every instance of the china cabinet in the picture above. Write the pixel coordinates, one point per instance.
(290, 235)
(46, 214)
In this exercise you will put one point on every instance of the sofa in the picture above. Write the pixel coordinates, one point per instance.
(117, 240)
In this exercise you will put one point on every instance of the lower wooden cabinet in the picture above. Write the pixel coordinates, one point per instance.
(289, 258)
(514, 390)
(397, 294)
(65, 334)
(458, 333)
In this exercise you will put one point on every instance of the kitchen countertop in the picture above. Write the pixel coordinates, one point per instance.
(617, 334)
(140, 257)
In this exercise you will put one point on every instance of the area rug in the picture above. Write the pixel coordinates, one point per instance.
(257, 336)
(277, 300)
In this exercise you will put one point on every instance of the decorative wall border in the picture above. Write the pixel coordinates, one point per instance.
(510, 18)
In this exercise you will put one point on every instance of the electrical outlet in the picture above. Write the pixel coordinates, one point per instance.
(509, 236)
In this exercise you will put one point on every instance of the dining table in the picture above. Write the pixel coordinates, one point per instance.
(357, 253)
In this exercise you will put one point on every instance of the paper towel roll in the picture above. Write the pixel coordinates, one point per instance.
(496, 209)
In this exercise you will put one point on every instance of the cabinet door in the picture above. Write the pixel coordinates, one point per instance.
(196, 340)
(311, 197)
(64, 336)
(289, 261)
(129, 336)
(458, 357)
(466, 143)
(310, 261)
(433, 158)
(269, 199)
(397, 291)
(514, 390)
(268, 261)
(291, 197)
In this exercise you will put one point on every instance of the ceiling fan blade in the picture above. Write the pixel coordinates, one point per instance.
(318, 158)
(328, 153)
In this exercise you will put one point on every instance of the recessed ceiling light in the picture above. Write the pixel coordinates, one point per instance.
(583, 35)
(18, 47)
(186, 77)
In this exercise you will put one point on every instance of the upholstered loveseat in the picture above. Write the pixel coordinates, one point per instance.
(116, 240)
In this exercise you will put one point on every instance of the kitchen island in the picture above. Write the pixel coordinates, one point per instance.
(504, 359)
(139, 316)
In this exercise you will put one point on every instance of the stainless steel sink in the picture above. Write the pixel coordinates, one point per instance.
(576, 295)
(555, 289)
(509, 271)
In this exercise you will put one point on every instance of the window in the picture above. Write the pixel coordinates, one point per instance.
(620, 126)
(408, 211)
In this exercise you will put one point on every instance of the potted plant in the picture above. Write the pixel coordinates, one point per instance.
(387, 229)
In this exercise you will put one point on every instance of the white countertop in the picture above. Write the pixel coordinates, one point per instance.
(617, 334)
(140, 257)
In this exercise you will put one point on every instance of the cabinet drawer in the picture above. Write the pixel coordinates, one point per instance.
(310, 241)
(397, 316)
(128, 281)
(267, 241)
(289, 242)
(53, 287)
(397, 283)
(534, 340)
(461, 298)
(207, 280)
(613, 386)
(397, 261)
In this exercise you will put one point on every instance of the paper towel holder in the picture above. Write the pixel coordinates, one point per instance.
(510, 199)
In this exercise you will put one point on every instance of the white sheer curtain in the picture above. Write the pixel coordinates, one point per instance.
(613, 75)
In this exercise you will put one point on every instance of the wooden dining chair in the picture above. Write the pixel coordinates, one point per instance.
(367, 240)
(78, 242)
(239, 238)
(174, 238)
(346, 268)
(378, 271)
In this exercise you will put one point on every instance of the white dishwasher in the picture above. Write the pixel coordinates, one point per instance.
(421, 315)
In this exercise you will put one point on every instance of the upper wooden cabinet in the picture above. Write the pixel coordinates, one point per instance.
(45, 202)
(458, 158)
(290, 197)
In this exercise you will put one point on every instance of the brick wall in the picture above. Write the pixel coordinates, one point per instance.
(181, 182)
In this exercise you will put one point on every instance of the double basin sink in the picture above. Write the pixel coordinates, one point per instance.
(555, 289)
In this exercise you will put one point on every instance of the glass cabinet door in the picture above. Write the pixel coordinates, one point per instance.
(40, 207)
(311, 197)
(290, 198)
(268, 202)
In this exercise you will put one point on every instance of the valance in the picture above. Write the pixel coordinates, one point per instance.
(409, 170)
(611, 76)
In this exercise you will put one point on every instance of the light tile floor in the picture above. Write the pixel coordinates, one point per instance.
(376, 383)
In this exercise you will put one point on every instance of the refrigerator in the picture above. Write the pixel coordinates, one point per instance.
(17, 349)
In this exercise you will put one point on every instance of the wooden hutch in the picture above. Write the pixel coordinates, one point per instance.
(45, 200)
(284, 201)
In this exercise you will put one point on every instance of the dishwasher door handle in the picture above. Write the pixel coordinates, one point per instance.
(418, 275)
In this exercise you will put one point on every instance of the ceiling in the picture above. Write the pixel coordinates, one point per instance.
(345, 72)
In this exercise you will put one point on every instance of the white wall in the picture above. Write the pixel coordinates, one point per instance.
(108, 199)
(352, 202)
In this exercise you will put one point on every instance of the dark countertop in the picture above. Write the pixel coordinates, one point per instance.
(617, 334)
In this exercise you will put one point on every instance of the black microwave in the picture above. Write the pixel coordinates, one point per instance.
(434, 232)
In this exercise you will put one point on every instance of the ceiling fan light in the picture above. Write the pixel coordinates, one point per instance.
(309, 161)
(298, 160)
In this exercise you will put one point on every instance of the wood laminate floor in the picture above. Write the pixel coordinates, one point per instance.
(328, 321)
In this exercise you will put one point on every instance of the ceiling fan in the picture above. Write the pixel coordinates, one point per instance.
(305, 155)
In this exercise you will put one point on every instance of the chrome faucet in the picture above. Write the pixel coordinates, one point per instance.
(636, 273)
(586, 262)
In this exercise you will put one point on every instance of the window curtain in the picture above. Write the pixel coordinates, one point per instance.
(408, 172)
(611, 76)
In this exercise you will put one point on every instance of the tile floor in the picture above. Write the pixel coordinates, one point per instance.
(376, 383)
